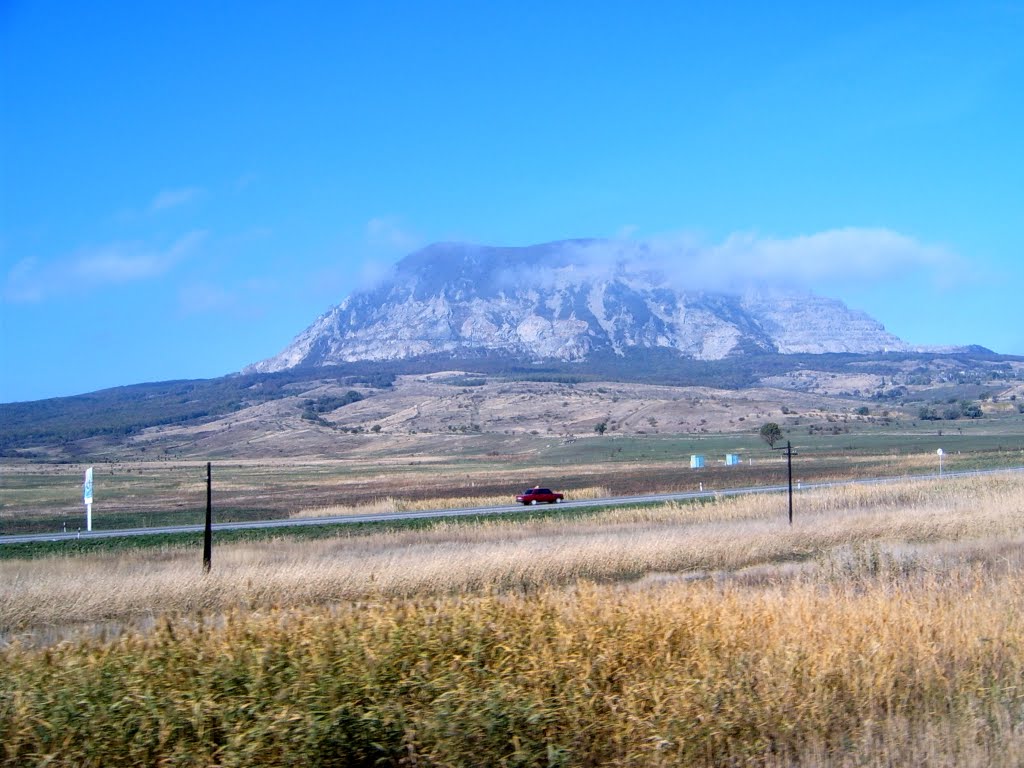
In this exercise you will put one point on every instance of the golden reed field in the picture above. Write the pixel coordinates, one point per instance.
(884, 628)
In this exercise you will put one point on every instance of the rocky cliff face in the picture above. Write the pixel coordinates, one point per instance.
(565, 301)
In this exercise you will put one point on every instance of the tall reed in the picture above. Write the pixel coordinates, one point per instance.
(885, 627)
(926, 671)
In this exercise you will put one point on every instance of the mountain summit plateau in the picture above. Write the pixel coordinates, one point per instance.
(566, 301)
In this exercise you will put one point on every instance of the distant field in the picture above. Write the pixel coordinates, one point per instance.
(47, 497)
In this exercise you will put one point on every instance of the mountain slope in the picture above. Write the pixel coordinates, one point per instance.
(566, 301)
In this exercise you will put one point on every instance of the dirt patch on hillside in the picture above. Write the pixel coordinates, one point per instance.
(420, 413)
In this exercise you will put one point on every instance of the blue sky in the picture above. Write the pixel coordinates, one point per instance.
(186, 186)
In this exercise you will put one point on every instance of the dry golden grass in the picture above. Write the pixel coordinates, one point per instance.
(869, 670)
(885, 627)
(44, 596)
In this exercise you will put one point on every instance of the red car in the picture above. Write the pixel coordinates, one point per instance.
(538, 495)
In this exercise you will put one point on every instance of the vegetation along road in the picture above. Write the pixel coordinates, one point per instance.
(464, 512)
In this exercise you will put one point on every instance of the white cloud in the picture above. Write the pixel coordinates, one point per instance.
(32, 280)
(172, 198)
(22, 284)
(742, 261)
(373, 272)
(746, 259)
(849, 253)
(388, 232)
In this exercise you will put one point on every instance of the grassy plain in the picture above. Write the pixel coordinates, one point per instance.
(45, 497)
(885, 627)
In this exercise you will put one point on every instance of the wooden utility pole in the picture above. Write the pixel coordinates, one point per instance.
(208, 531)
(789, 467)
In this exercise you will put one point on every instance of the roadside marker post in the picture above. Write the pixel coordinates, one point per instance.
(87, 498)
(940, 453)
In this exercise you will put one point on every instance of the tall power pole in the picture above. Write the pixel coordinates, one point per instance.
(789, 467)
(208, 531)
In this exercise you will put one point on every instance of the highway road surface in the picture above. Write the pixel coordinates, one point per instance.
(469, 511)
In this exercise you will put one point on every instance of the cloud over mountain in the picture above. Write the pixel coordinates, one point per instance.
(571, 299)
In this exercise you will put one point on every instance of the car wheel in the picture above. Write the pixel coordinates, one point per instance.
(534, 501)
(558, 501)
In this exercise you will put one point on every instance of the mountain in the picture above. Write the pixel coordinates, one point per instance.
(568, 301)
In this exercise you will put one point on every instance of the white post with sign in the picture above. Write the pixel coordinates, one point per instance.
(87, 498)
(939, 452)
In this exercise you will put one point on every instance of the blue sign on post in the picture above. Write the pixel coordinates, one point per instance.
(87, 487)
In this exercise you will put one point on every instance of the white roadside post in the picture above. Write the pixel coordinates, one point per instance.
(87, 498)
(939, 452)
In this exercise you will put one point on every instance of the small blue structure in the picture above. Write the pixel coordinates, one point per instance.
(696, 461)
(732, 459)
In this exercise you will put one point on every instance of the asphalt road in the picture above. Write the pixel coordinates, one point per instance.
(468, 511)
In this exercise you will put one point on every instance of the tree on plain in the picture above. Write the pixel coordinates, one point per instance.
(771, 433)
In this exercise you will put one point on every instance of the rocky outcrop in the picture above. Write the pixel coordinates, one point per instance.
(565, 301)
